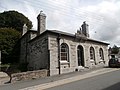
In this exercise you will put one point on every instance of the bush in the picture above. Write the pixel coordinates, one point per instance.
(10, 68)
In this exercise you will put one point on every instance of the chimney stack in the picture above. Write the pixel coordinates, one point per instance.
(85, 30)
(24, 29)
(41, 22)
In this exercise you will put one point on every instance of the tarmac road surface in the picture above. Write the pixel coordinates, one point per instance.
(89, 80)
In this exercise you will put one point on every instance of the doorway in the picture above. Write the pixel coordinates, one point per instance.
(80, 55)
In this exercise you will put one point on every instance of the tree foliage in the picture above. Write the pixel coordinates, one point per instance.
(11, 26)
(114, 49)
(14, 19)
(8, 39)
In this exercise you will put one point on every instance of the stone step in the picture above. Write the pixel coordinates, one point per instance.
(80, 68)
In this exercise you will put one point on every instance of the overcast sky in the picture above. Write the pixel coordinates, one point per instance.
(103, 16)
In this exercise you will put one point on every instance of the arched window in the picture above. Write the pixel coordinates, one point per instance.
(64, 52)
(92, 53)
(101, 54)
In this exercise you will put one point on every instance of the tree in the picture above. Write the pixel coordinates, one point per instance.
(11, 25)
(114, 49)
(15, 20)
(8, 39)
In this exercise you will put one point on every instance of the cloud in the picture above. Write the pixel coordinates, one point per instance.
(68, 15)
(31, 14)
(103, 19)
(109, 29)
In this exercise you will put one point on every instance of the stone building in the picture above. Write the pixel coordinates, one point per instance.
(61, 52)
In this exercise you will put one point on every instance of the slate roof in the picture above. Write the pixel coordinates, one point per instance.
(73, 35)
(65, 34)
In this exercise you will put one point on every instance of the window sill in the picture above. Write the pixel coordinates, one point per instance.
(101, 60)
(64, 62)
(92, 60)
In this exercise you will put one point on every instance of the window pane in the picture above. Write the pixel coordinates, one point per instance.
(92, 53)
(101, 54)
(63, 58)
(64, 52)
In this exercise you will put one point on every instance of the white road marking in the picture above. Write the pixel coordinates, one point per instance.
(71, 79)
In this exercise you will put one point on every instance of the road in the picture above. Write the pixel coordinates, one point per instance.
(104, 78)
(108, 81)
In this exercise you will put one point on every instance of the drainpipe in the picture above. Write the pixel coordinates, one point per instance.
(48, 66)
(0, 59)
(58, 41)
(26, 50)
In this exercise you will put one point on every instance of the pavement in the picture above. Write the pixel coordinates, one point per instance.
(47, 82)
(70, 79)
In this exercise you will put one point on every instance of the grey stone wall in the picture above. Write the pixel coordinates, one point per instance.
(53, 48)
(73, 59)
(24, 45)
(28, 75)
(23, 48)
(38, 53)
(98, 62)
